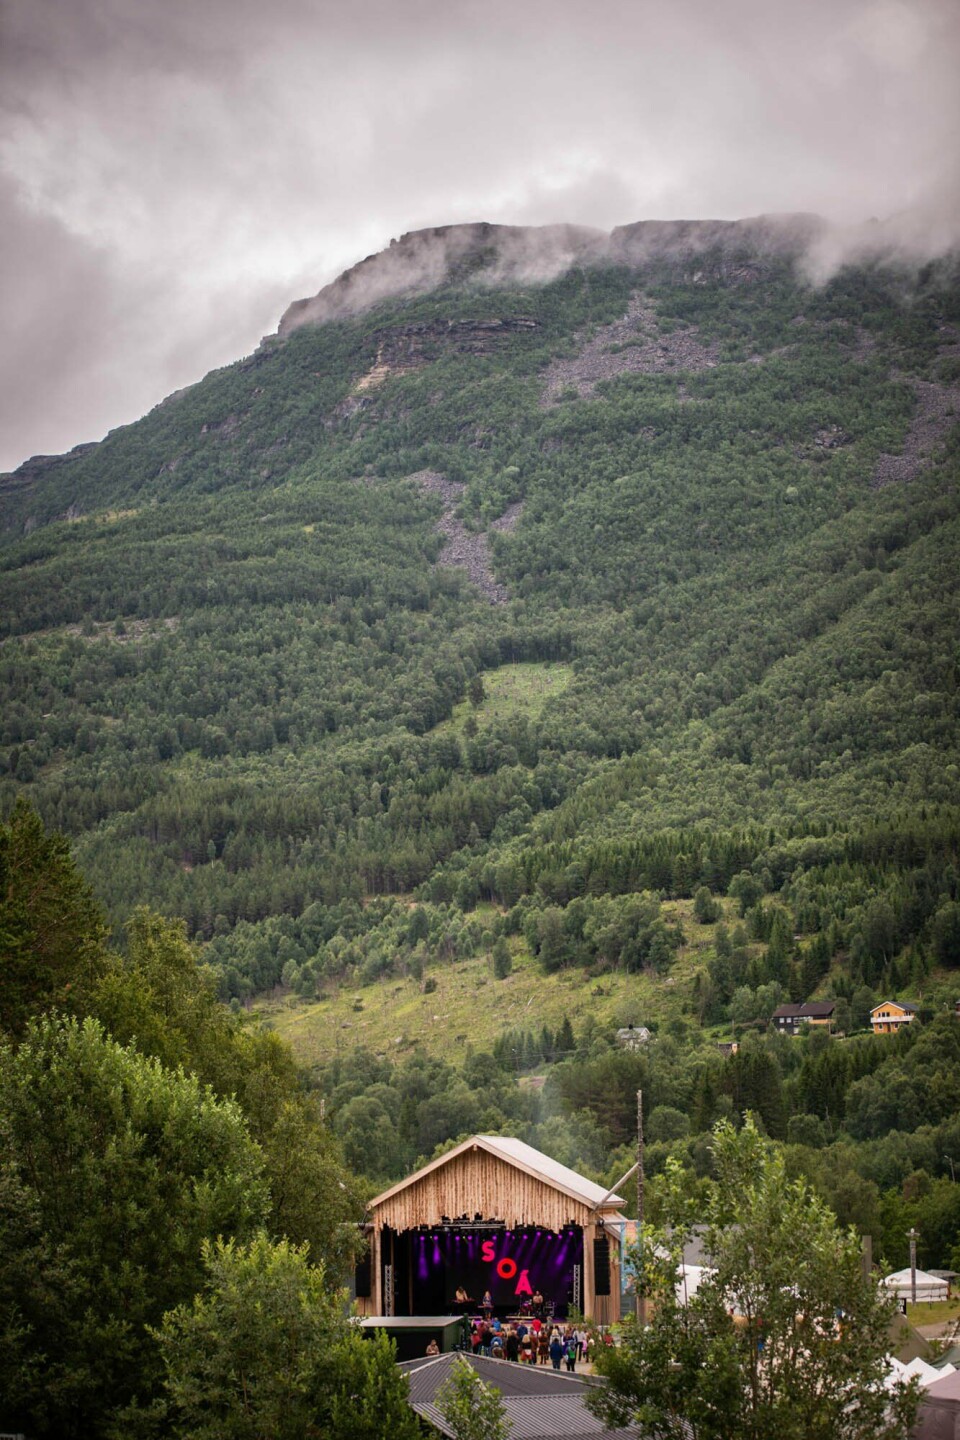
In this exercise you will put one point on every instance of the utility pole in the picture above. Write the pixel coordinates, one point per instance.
(641, 1298)
(913, 1236)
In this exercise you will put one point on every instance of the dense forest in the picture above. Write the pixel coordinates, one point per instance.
(597, 633)
(161, 1166)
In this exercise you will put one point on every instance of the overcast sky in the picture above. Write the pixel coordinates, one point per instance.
(174, 172)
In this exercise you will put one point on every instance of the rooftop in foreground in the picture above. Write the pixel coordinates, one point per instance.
(540, 1404)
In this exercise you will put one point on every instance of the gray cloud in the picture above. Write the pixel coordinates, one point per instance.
(171, 176)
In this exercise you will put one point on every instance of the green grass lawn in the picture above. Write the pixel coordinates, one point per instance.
(521, 689)
(934, 1312)
(470, 1007)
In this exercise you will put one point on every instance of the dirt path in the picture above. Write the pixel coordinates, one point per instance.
(463, 549)
(645, 352)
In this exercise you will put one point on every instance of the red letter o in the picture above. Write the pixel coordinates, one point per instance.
(506, 1268)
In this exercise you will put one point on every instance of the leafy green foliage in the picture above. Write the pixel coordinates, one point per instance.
(473, 1410)
(116, 1170)
(157, 998)
(784, 1335)
(51, 929)
(265, 1350)
(129, 1137)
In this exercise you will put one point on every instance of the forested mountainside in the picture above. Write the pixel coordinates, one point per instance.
(557, 637)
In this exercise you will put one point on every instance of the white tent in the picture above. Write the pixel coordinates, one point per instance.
(918, 1369)
(927, 1374)
(929, 1287)
(689, 1280)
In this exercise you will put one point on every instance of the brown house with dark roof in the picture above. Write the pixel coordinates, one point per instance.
(788, 1018)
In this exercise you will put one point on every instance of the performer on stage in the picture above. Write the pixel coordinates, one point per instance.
(486, 1304)
(463, 1299)
(536, 1301)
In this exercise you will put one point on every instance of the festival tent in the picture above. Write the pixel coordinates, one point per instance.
(929, 1287)
(927, 1374)
(940, 1411)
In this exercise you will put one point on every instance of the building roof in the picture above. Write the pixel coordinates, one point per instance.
(905, 1341)
(812, 1010)
(907, 1005)
(524, 1157)
(540, 1403)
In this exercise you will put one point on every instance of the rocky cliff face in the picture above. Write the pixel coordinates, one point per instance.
(423, 259)
(502, 254)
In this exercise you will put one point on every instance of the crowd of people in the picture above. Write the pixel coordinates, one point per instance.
(534, 1342)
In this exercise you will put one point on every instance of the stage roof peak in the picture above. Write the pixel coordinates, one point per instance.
(522, 1157)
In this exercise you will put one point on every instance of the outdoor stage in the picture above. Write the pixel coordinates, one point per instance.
(431, 1263)
(493, 1214)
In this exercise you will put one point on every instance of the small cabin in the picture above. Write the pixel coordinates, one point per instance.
(633, 1037)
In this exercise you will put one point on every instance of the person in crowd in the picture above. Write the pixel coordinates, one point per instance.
(486, 1335)
(496, 1348)
(433, 1348)
(556, 1350)
(543, 1346)
(512, 1344)
(581, 1335)
(526, 1349)
(570, 1352)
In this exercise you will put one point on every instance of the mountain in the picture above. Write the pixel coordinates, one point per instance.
(530, 573)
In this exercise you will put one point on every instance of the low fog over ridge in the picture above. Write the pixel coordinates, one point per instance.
(489, 255)
(492, 255)
(172, 176)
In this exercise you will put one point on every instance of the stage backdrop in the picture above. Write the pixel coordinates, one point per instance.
(511, 1264)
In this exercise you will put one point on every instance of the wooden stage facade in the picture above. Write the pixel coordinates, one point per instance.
(493, 1215)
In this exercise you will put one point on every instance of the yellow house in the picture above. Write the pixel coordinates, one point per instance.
(887, 1017)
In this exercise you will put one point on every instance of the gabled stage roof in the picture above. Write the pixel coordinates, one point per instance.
(522, 1157)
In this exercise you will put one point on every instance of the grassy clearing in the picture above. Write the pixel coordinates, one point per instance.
(934, 1312)
(470, 1007)
(521, 689)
